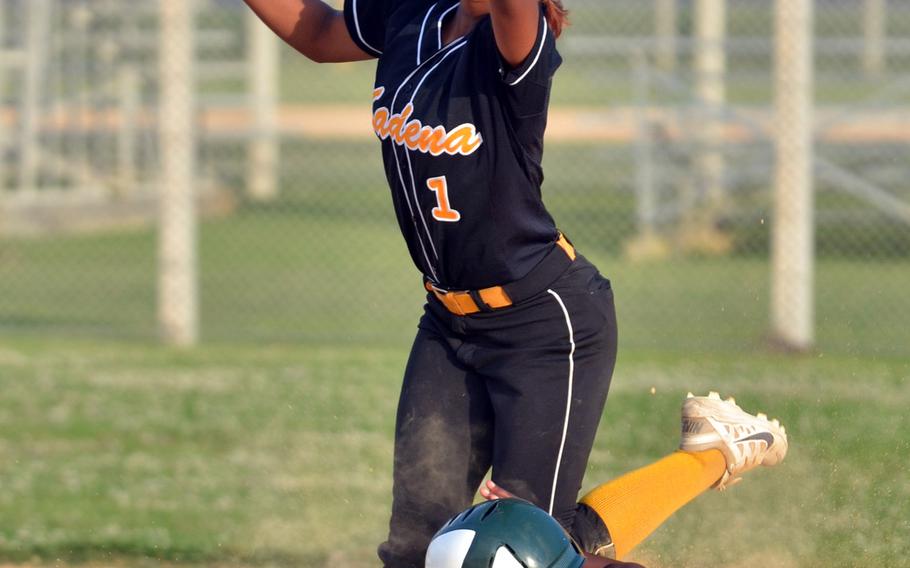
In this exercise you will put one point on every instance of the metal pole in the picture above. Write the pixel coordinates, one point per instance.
(265, 145)
(665, 26)
(4, 134)
(710, 70)
(646, 166)
(792, 309)
(38, 15)
(647, 243)
(127, 133)
(83, 47)
(874, 32)
(177, 286)
(130, 101)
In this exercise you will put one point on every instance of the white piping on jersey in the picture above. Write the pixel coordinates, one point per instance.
(439, 24)
(401, 175)
(433, 68)
(449, 48)
(407, 153)
(359, 33)
(423, 247)
(423, 220)
(565, 427)
(423, 28)
(543, 41)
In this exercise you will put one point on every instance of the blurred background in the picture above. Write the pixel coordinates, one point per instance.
(172, 175)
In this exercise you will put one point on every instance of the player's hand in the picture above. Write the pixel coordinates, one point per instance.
(491, 492)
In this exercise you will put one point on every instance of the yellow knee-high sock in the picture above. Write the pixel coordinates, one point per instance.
(634, 505)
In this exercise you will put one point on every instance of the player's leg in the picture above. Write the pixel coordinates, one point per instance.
(632, 506)
(548, 366)
(442, 446)
(618, 515)
(719, 441)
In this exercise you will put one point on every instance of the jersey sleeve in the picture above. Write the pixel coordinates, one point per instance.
(525, 88)
(366, 22)
(540, 64)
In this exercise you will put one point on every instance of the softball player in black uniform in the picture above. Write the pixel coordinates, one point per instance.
(515, 350)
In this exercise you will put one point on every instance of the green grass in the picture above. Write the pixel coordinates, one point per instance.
(325, 263)
(297, 277)
(279, 456)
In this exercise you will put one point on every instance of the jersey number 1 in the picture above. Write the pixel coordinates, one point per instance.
(443, 212)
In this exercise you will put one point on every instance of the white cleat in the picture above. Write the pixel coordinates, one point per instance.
(747, 441)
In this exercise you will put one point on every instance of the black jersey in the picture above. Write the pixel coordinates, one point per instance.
(462, 140)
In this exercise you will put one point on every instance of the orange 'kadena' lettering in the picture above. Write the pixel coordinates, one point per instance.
(462, 140)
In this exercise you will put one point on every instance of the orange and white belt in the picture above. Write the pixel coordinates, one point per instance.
(467, 302)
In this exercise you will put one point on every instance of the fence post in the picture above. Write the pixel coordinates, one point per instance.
(263, 77)
(647, 244)
(665, 26)
(874, 37)
(646, 166)
(792, 254)
(177, 286)
(127, 132)
(710, 71)
(4, 73)
(38, 15)
(82, 16)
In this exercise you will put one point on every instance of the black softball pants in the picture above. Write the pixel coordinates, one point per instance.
(520, 390)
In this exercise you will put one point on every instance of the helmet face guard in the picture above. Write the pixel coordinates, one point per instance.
(506, 533)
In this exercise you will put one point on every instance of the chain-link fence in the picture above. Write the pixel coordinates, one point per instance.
(660, 166)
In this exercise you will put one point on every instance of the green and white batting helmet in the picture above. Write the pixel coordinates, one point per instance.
(506, 533)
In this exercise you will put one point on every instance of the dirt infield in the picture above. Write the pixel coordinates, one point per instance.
(579, 124)
(566, 125)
